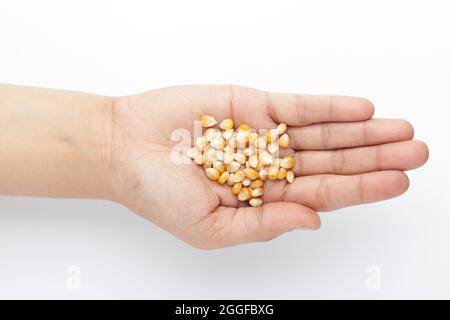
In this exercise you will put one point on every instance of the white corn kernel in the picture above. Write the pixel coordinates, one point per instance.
(258, 192)
(238, 176)
(228, 134)
(273, 147)
(253, 161)
(290, 176)
(219, 165)
(218, 143)
(228, 157)
(265, 158)
(192, 152)
(201, 143)
(233, 166)
(226, 124)
(240, 157)
(210, 155)
(255, 202)
(246, 182)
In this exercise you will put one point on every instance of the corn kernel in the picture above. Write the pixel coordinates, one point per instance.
(226, 124)
(212, 173)
(207, 121)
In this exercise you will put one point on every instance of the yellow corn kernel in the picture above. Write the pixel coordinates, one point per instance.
(244, 127)
(272, 135)
(251, 173)
(258, 183)
(236, 188)
(287, 162)
(207, 165)
(207, 121)
(272, 173)
(244, 194)
(223, 177)
(246, 182)
(284, 141)
(281, 173)
(212, 173)
(219, 166)
(281, 128)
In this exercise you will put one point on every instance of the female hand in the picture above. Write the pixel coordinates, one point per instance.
(343, 158)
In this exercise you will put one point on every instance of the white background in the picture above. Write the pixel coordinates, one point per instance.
(395, 53)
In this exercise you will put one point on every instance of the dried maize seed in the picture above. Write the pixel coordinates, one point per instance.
(265, 158)
(281, 128)
(263, 174)
(208, 121)
(258, 192)
(210, 155)
(255, 202)
(249, 151)
(192, 152)
(240, 157)
(218, 143)
(290, 176)
(236, 188)
(228, 134)
(258, 183)
(287, 162)
(284, 141)
(223, 177)
(272, 173)
(246, 182)
(244, 194)
(251, 173)
(253, 161)
(238, 176)
(219, 155)
(244, 127)
(211, 133)
(226, 124)
(219, 165)
(207, 165)
(212, 173)
(228, 157)
(252, 138)
(199, 158)
(273, 147)
(232, 143)
(261, 143)
(272, 135)
(241, 139)
(201, 143)
(281, 173)
(233, 166)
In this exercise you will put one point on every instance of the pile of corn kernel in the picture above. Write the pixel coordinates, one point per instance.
(242, 158)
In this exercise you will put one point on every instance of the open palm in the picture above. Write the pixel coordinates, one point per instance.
(343, 158)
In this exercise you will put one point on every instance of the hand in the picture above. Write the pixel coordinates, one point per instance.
(343, 158)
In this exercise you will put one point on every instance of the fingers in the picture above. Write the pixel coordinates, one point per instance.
(300, 110)
(230, 226)
(344, 135)
(330, 192)
(402, 156)
(263, 109)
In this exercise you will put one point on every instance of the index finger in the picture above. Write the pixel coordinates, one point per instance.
(302, 109)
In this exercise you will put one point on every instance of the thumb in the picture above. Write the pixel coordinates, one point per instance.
(247, 224)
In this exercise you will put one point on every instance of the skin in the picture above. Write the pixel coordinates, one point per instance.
(66, 144)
